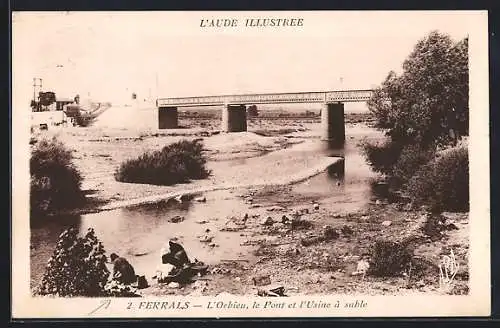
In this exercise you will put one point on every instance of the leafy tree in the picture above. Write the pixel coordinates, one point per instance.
(428, 102)
(77, 267)
(423, 109)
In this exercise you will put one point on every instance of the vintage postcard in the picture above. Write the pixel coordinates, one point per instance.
(250, 164)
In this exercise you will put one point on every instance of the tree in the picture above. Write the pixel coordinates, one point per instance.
(428, 102)
(252, 111)
(77, 267)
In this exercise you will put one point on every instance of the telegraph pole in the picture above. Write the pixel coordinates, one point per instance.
(35, 80)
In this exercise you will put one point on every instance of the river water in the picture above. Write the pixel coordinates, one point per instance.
(139, 232)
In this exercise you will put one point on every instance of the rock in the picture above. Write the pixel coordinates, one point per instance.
(330, 233)
(347, 230)
(201, 199)
(407, 207)
(451, 226)
(364, 218)
(272, 292)
(316, 206)
(307, 241)
(261, 280)
(299, 223)
(200, 284)
(202, 222)
(303, 211)
(285, 219)
(213, 245)
(254, 206)
(361, 268)
(182, 198)
(246, 216)
(206, 239)
(268, 221)
(173, 285)
(386, 223)
(378, 202)
(176, 219)
(276, 209)
(238, 279)
(350, 258)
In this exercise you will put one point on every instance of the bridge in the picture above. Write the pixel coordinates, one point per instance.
(234, 111)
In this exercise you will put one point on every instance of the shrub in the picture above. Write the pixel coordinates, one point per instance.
(411, 158)
(389, 258)
(77, 267)
(443, 183)
(397, 160)
(382, 157)
(55, 182)
(175, 163)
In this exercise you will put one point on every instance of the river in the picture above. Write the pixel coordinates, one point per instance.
(139, 232)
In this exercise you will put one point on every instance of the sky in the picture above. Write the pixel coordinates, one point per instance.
(107, 56)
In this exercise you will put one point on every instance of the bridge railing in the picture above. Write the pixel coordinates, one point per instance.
(271, 98)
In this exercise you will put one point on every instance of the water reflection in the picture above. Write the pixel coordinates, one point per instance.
(333, 149)
(336, 171)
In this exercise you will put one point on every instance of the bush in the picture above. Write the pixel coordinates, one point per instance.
(443, 183)
(411, 158)
(397, 160)
(175, 163)
(55, 182)
(382, 157)
(389, 258)
(77, 267)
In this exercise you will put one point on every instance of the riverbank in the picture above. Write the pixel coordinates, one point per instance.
(298, 259)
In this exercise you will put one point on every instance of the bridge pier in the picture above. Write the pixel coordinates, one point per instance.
(168, 118)
(234, 118)
(332, 124)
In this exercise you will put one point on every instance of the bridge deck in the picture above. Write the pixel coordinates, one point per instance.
(268, 98)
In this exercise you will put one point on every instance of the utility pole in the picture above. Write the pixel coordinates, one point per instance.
(156, 82)
(35, 80)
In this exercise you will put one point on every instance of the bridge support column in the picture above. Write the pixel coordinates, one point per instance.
(234, 118)
(332, 124)
(168, 118)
